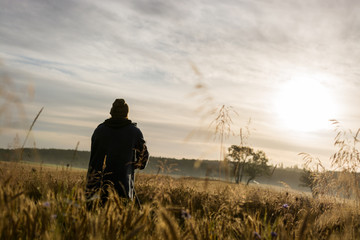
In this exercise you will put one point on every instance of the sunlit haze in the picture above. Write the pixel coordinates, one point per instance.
(304, 103)
(289, 66)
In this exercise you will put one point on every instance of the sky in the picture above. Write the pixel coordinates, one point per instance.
(287, 66)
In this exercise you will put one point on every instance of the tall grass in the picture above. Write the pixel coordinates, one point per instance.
(220, 116)
(38, 202)
(343, 179)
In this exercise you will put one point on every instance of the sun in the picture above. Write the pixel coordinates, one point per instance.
(305, 104)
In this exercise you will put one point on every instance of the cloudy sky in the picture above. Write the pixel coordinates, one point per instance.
(289, 66)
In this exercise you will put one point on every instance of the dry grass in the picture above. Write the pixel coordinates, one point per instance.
(38, 202)
(343, 179)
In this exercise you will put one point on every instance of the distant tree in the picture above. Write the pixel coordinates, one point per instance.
(256, 166)
(248, 163)
(239, 155)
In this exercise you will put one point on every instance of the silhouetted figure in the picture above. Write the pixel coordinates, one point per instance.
(117, 149)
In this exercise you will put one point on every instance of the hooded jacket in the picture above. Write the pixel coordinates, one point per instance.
(117, 149)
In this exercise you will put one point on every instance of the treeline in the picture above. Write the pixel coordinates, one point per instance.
(71, 158)
(80, 159)
(157, 165)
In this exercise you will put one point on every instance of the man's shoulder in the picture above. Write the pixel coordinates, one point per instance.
(101, 125)
(134, 126)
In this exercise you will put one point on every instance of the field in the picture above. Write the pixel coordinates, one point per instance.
(42, 202)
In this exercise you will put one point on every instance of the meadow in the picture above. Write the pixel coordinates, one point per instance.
(42, 202)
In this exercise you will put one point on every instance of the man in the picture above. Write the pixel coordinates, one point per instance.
(117, 149)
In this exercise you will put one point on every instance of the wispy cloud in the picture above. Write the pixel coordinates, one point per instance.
(84, 54)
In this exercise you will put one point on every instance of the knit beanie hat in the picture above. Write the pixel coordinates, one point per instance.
(119, 109)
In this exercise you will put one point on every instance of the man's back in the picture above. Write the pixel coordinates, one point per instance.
(117, 144)
(117, 148)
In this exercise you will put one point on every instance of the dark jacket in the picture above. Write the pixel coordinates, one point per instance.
(117, 149)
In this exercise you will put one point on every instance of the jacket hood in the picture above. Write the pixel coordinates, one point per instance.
(117, 122)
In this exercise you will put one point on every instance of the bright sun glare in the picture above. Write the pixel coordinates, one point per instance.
(304, 104)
